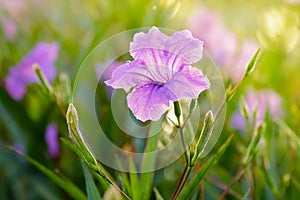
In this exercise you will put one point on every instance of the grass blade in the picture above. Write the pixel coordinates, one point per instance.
(61, 181)
(91, 189)
(149, 162)
(134, 180)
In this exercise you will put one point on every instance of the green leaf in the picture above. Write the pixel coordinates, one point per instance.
(193, 184)
(157, 194)
(148, 162)
(91, 189)
(124, 179)
(125, 183)
(254, 146)
(72, 147)
(98, 170)
(134, 180)
(61, 181)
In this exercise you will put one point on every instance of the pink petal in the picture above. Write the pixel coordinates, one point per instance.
(185, 47)
(150, 48)
(154, 39)
(129, 75)
(149, 102)
(189, 82)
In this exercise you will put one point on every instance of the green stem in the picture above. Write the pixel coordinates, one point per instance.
(184, 146)
(118, 188)
(183, 178)
(228, 97)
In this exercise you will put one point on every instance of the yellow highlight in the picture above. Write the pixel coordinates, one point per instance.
(278, 28)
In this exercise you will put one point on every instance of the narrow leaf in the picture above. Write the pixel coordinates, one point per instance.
(124, 179)
(157, 194)
(125, 183)
(148, 162)
(61, 181)
(134, 180)
(91, 189)
(253, 147)
(72, 147)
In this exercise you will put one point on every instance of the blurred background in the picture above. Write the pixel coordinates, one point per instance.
(60, 34)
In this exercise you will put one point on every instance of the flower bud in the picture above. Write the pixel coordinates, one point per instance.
(43, 80)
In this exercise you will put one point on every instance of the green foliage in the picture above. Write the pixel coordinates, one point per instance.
(260, 162)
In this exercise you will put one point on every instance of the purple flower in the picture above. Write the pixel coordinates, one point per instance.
(160, 72)
(22, 74)
(218, 40)
(221, 43)
(104, 72)
(262, 101)
(51, 138)
(9, 29)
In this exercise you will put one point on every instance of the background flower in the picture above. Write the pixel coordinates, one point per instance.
(9, 28)
(43, 54)
(221, 43)
(261, 102)
(52, 141)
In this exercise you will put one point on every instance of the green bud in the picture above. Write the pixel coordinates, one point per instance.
(44, 83)
(177, 110)
(204, 135)
(72, 116)
(193, 105)
(72, 121)
(75, 134)
(192, 151)
(63, 91)
(252, 63)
